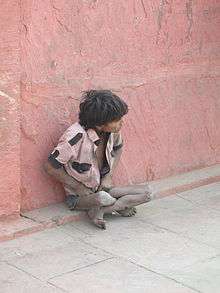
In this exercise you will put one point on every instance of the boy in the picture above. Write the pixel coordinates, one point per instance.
(86, 156)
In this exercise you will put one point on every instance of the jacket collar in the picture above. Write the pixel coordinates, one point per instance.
(93, 135)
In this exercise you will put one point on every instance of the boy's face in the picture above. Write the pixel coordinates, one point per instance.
(113, 126)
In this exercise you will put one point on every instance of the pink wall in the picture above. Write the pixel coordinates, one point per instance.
(162, 57)
(9, 109)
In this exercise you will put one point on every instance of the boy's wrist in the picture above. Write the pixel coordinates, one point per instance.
(106, 182)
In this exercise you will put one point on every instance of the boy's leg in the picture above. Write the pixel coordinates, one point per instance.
(87, 199)
(127, 202)
(101, 203)
(125, 205)
(118, 192)
(128, 197)
(98, 199)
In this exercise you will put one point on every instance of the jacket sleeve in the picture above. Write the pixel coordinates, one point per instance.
(118, 142)
(60, 155)
(64, 151)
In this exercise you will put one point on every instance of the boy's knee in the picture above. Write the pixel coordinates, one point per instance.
(104, 198)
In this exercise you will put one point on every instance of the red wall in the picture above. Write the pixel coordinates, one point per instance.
(162, 57)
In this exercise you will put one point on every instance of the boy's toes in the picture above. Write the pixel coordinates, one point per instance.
(94, 215)
(129, 212)
(100, 223)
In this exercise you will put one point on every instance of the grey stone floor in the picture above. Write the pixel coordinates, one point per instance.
(171, 246)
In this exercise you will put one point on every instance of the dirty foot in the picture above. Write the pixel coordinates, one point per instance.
(128, 212)
(96, 216)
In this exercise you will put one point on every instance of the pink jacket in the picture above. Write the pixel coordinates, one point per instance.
(76, 152)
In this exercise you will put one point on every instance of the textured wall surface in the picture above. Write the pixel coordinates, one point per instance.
(9, 109)
(161, 56)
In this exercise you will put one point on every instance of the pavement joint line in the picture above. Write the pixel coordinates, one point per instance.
(165, 276)
(203, 260)
(99, 248)
(181, 235)
(157, 273)
(154, 272)
(196, 203)
(90, 244)
(57, 287)
(80, 268)
(53, 220)
(186, 237)
(188, 200)
(33, 276)
(26, 217)
(27, 273)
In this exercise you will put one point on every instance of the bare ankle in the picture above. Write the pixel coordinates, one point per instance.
(96, 216)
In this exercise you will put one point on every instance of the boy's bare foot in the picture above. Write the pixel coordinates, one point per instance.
(96, 216)
(129, 212)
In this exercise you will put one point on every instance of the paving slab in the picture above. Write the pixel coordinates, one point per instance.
(36, 243)
(48, 263)
(13, 280)
(188, 219)
(145, 244)
(117, 276)
(208, 195)
(204, 276)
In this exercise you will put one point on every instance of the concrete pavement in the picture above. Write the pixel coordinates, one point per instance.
(171, 246)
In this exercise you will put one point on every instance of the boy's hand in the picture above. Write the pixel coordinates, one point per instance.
(80, 189)
(106, 183)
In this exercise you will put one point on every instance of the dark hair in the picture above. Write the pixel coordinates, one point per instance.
(99, 107)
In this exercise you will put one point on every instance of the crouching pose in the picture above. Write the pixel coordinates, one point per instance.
(86, 156)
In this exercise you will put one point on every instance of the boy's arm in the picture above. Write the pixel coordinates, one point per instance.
(61, 175)
(60, 156)
(117, 156)
(106, 182)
